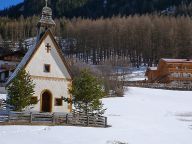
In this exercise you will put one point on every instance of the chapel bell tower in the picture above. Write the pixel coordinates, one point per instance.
(46, 22)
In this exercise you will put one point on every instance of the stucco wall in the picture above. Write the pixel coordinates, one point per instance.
(58, 89)
(56, 81)
(41, 57)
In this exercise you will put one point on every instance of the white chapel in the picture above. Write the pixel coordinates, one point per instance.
(48, 68)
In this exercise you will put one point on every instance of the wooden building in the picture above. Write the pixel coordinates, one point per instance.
(151, 73)
(15, 56)
(8, 64)
(171, 71)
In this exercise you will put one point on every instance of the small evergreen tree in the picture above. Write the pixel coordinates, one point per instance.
(87, 92)
(20, 91)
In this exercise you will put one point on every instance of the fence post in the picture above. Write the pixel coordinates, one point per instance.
(9, 117)
(66, 118)
(105, 121)
(31, 118)
(53, 120)
(87, 120)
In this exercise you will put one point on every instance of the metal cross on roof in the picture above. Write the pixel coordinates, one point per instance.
(46, 2)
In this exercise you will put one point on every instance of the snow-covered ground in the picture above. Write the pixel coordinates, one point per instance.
(3, 96)
(136, 74)
(143, 116)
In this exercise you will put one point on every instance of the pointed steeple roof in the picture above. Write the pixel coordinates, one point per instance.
(32, 51)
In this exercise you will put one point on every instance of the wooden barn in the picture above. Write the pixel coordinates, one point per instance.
(171, 70)
(15, 56)
(8, 63)
(151, 73)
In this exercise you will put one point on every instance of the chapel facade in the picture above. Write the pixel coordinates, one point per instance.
(48, 69)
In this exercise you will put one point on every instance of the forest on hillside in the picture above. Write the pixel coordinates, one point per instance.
(132, 39)
(123, 31)
(97, 8)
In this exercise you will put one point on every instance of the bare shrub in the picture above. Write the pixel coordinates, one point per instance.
(105, 72)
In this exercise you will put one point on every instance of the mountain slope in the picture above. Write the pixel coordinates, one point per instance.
(91, 8)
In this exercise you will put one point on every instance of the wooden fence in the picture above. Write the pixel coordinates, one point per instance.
(180, 87)
(77, 119)
(2, 104)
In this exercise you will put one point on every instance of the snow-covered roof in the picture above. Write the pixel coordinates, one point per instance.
(152, 68)
(177, 60)
(24, 60)
(22, 63)
(29, 54)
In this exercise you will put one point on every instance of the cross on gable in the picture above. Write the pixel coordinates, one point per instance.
(48, 47)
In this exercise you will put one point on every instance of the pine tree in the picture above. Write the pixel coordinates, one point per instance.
(20, 91)
(87, 92)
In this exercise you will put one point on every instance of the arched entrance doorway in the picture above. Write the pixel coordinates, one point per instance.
(46, 101)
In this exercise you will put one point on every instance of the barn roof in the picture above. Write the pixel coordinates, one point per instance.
(177, 60)
(32, 50)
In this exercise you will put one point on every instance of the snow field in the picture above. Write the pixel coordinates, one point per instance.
(143, 116)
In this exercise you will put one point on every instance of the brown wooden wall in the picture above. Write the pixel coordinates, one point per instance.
(171, 71)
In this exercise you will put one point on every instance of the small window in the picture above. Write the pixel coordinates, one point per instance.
(58, 102)
(34, 100)
(47, 68)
